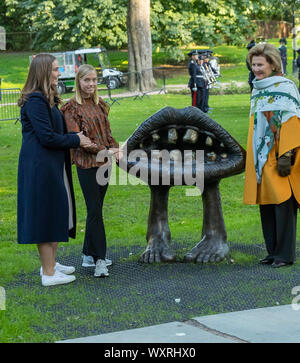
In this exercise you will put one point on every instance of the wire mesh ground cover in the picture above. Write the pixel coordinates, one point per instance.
(137, 295)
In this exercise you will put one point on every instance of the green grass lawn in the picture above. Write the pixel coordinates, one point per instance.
(126, 206)
(14, 66)
(125, 210)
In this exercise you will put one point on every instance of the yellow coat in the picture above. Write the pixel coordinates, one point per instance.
(274, 189)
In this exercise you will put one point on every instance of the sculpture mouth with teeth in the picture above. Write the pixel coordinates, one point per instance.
(191, 141)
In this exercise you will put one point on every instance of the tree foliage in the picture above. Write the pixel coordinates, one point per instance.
(175, 24)
(74, 23)
(277, 9)
(70, 24)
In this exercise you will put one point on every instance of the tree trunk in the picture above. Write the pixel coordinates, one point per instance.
(139, 46)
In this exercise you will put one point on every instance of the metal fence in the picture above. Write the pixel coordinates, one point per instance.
(140, 84)
(9, 109)
(136, 85)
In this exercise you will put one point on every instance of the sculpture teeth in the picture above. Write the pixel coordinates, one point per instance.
(211, 156)
(208, 141)
(175, 155)
(172, 136)
(155, 137)
(191, 136)
(223, 156)
(159, 155)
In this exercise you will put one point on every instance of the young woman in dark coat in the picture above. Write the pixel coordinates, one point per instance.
(46, 206)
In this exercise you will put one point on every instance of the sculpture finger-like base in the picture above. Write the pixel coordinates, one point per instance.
(209, 249)
(157, 251)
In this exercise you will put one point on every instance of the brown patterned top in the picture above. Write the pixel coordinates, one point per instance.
(92, 119)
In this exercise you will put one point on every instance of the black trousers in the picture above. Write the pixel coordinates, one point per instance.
(95, 238)
(205, 102)
(279, 222)
(200, 99)
(284, 64)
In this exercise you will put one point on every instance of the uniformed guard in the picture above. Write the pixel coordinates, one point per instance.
(196, 82)
(283, 54)
(210, 76)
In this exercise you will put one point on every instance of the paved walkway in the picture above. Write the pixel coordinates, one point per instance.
(174, 87)
(279, 324)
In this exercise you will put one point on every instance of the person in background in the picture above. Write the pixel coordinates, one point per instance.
(201, 82)
(46, 205)
(251, 74)
(211, 74)
(87, 112)
(272, 176)
(196, 81)
(283, 54)
(298, 65)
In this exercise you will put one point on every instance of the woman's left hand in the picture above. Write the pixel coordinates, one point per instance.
(284, 165)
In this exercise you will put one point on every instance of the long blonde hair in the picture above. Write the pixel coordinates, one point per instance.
(82, 72)
(39, 79)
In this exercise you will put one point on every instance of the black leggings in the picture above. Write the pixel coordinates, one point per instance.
(95, 239)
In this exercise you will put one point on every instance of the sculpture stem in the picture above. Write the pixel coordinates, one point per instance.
(213, 222)
(158, 224)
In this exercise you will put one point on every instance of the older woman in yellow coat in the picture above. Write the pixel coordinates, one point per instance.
(272, 177)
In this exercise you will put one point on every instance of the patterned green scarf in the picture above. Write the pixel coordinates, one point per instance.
(279, 98)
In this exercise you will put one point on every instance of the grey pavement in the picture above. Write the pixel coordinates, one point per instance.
(174, 87)
(279, 324)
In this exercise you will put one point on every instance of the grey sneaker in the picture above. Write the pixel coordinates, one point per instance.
(108, 262)
(88, 261)
(101, 269)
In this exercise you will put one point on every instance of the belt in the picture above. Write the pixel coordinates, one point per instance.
(200, 76)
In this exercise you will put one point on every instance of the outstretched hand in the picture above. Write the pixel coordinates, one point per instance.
(117, 153)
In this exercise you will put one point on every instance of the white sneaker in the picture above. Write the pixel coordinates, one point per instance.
(57, 279)
(88, 261)
(101, 269)
(67, 270)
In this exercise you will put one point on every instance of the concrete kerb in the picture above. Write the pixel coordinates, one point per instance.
(264, 325)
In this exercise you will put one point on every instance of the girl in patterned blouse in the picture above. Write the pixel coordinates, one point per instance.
(88, 113)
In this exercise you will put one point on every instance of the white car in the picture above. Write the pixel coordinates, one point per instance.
(70, 61)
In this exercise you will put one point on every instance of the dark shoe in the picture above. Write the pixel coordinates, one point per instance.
(266, 261)
(277, 264)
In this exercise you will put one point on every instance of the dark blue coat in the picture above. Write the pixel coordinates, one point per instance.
(43, 210)
(197, 78)
(283, 54)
